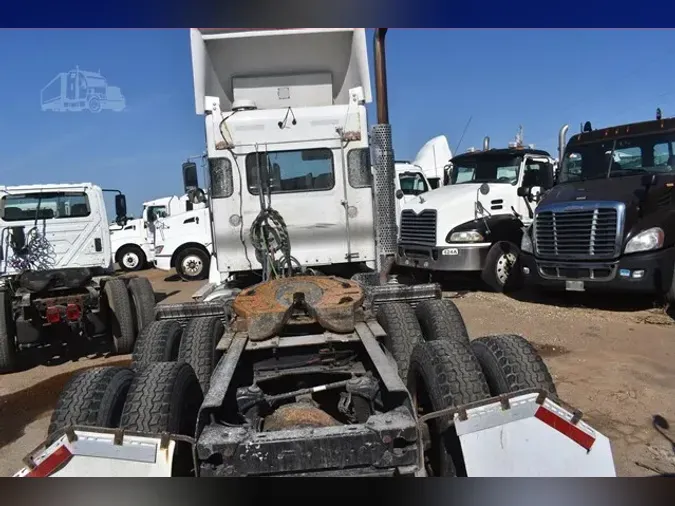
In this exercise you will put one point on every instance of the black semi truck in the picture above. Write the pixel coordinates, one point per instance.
(609, 222)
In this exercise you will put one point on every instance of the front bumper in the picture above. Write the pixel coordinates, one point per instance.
(457, 257)
(617, 275)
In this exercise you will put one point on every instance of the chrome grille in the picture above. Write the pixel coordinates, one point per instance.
(589, 232)
(418, 228)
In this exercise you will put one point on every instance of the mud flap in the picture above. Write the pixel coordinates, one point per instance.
(531, 436)
(99, 454)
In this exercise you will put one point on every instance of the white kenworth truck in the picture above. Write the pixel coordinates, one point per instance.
(303, 374)
(56, 271)
(474, 223)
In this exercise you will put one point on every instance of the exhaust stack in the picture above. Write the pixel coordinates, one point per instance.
(562, 140)
(381, 76)
(386, 231)
(486, 143)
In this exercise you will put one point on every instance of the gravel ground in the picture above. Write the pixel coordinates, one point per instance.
(610, 357)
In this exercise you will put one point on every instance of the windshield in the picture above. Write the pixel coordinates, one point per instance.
(486, 170)
(412, 183)
(44, 205)
(619, 157)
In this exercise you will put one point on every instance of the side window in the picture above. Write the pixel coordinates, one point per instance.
(358, 168)
(538, 174)
(220, 177)
(664, 155)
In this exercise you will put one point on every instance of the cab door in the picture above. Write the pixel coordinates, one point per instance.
(536, 177)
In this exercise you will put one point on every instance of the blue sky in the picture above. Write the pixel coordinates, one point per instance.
(438, 79)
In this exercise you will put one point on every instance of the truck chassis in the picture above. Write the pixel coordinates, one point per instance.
(304, 376)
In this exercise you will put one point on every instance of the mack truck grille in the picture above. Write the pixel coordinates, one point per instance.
(578, 233)
(418, 228)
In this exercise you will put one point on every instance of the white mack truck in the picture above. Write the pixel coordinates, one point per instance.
(475, 222)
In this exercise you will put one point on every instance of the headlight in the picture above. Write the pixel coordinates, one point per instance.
(526, 242)
(647, 240)
(465, 236)
(158, 249)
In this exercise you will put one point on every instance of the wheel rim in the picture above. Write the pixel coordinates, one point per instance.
(192, 265)
(131, 260)
(504, 265)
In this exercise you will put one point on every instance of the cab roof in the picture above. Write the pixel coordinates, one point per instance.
(499, 152)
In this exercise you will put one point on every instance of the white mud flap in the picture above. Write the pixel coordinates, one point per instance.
(95, 454)
(522, 438)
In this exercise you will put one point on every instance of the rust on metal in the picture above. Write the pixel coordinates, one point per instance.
(298, 415)
(265, 308)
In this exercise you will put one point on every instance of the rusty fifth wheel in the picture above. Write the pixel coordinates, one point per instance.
(265, 308)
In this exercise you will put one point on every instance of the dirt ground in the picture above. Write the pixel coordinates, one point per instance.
(611, 357)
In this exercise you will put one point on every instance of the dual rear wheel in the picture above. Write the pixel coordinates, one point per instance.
(443, 368)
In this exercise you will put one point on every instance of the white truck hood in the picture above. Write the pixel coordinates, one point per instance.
(455, 204)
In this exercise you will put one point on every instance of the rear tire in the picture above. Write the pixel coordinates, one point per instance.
(131, 258)
(510, 363)
(165, 397)
(441, 320)
(121, 320)
(444, 374)
(94, 398)
(8, 351)
(501, 272)
(198, 347)
(403, 332)
(192, 264)
(158, 342)
(142, 301)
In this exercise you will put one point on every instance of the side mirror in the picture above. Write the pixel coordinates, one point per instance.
(523, 191)
(190, 179)
(120, 206)
(399, 194)
(484, 189)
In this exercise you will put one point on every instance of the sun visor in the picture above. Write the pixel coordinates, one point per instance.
(273, 69)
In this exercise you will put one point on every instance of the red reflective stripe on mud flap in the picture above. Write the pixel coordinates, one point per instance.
(564, 427)
(52, 463)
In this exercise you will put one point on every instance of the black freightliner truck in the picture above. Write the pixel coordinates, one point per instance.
(609, 222)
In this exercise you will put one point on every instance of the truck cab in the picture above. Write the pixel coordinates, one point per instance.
(292, 138)
(609, 223)
(474, 223)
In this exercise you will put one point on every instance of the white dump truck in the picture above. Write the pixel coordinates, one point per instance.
(304, 374)
(56, 271)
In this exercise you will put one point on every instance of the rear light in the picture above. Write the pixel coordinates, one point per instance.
(73, 312)
(53, 314)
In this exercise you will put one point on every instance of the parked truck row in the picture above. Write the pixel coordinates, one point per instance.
(324, 366)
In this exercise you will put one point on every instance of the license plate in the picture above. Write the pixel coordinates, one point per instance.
(574, 286)
(450, 252)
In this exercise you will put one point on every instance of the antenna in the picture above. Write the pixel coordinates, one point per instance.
(519, 136)
(466, 127)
